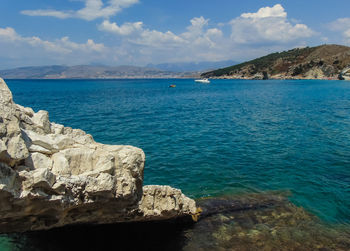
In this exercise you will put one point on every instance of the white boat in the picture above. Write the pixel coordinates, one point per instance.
(203, 81)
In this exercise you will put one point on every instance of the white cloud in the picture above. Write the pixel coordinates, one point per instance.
(275, 11)
(247, 36)
(198, 42)
(199, 22)
(196, 34)
(9, 34)
(63, 45)
(347, 34)
(269, 24)
(199, 36)
(195, 30)
(93, 9)
(154, 38)
(90, 45)
(137, 34)
(123, 30)
(47, 13)
(266, 30)
(34, 49)
(342, 25)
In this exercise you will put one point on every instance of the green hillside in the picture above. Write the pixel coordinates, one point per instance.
(329, 58)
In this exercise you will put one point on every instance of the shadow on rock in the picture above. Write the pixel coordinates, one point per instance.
(167, 235)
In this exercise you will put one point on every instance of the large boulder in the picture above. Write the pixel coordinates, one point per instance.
(51, 176)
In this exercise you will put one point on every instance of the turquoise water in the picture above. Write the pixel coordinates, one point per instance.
(232, 136)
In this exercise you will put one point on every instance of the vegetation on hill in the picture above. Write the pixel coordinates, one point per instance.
(323, 61)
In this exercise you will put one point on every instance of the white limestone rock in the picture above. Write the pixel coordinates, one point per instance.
(37, 160)
(5, 93)
(51, 176)
(41, 120)
(165, 201)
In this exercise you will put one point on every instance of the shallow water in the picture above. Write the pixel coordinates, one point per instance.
(264, 221)
(230, 137)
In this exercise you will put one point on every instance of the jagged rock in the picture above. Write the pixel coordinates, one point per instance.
(164, 201)
(41, 120)
(51, 176)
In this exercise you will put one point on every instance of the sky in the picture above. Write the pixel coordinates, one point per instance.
(140, 32)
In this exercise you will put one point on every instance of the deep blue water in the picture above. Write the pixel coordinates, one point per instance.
(231, 136)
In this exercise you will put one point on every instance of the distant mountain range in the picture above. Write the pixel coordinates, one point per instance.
(320, 62)
(166, 70)
(192, 66)
(86, 72)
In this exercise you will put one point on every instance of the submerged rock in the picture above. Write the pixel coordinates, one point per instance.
(264, 221)
(51, 176)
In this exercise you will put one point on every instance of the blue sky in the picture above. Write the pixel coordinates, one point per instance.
(138, 32)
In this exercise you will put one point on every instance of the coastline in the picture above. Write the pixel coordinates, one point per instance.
(174, 78)
(105, 78)
(274, 78)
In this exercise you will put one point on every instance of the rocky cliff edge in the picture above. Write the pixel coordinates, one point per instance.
(51, 176)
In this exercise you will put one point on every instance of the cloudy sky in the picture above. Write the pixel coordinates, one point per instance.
(138, 32)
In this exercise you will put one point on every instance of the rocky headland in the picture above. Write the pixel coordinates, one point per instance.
(52, 176)
(320, 62)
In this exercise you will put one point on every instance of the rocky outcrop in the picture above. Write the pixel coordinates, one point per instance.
(51, 176)
(345, 74)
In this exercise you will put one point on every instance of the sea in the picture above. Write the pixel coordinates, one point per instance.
(282, 147)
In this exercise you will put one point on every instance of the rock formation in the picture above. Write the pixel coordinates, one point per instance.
(51, 176)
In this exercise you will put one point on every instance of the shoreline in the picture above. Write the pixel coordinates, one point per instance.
(273, 78)
(172, 78)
